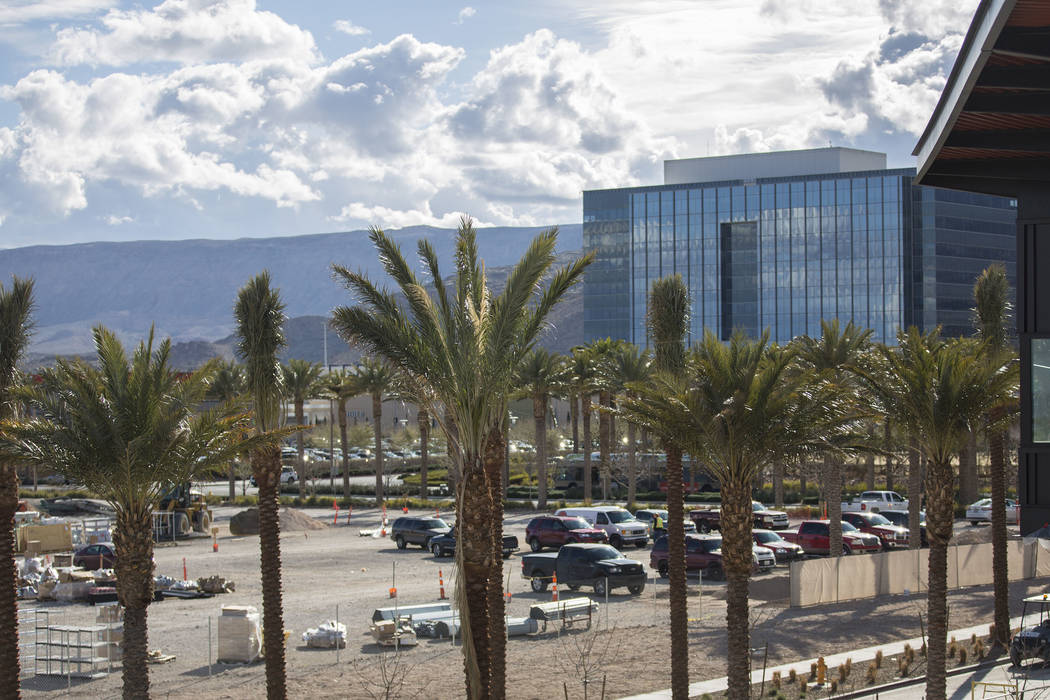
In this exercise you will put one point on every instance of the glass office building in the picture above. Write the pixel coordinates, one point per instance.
(783, 252)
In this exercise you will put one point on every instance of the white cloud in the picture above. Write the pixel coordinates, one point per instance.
(359, 213)
(186, 31)
(465, 14)
(114, 220)
(347, 27)
(16, 12)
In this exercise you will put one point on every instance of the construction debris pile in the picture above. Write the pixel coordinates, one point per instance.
(326, 635)
(247, 522)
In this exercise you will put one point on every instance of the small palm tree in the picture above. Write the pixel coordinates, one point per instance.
(631, 368)
(16, 306)
(464, 343)
(259, 315)
(300, 383)
(992, 314)
(583, 373)
(341, 386)
(831, 355)
(603, 353)
(942, 389)
(377, 379)
(227, 387)
(127, 431)
(540, 375)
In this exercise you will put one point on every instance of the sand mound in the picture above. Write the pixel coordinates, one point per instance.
(973, 535)
(247, 522)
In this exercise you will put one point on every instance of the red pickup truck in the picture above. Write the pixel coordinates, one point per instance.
(813, 537)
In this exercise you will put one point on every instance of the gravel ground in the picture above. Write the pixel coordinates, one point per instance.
(627, 646)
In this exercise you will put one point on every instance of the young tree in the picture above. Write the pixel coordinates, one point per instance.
(465, 343)
(127, 431)
(377, 379)
(631, 368)
(227, 387)
(540, 375)
(603, 353)
(301, 383)
(16, 307)
(341, 386)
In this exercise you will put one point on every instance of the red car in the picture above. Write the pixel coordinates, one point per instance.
(703, 553)
(879, 525)
(96, 556)
(814, 535)
(781, 548)
(556, 530)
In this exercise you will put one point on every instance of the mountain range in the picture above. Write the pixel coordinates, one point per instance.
(186, 288)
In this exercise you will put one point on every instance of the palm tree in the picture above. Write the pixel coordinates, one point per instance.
(991, 317)
(227, 387)
(341, 386)
(377, 379)
(16, 307)
(942, 389)
(300, 383)
(464, 343)
(831, 355)
(632, 367)
(259, 314)
(583, 379)
(603, 352)
(540, 375)
(127, 431)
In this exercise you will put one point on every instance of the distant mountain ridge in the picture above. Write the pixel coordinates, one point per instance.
(187, 288)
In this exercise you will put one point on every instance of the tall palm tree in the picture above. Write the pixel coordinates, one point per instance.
(16, 307)
(942, 389)
(632, 367)
(603, 352)
(259, 315)
(300, 383)
(583, 380)
(227, 387)
(465, 343)
(541, 374)
(831, 355)
(376, 378)
(992, 314)
(127, 431)
(341, 386)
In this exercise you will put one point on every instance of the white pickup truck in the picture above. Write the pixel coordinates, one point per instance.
(874, 501)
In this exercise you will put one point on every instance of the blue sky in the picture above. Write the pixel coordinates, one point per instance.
(233, 118)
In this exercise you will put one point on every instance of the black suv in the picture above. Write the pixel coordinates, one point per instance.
(406, 531)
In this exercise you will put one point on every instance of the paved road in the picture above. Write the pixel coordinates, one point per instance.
(222, 488)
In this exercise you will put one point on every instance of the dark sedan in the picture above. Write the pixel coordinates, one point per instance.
(96, 556)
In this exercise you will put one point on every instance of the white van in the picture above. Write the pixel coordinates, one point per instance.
(621, 527)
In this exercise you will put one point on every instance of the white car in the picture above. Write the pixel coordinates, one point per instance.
(763, 558)
(981, 511)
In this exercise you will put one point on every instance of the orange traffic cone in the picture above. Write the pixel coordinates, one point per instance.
(554, 590)
(404, 508)
(441, 584)
(393, 592)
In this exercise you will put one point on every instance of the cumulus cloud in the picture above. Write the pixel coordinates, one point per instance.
(185, 31)
(385, 217)
(347, 27)
(465, 14)
(16, 12)
(114, 220)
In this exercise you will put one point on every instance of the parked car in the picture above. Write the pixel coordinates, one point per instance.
(96, 556)
(707, 519)
(621, 527)
(814, 536)
(875, 501)
(648, 516)
(597, 565)
(900, 517)
(981, 511)
(877, 524)
(556, 530)
(703, 553)
(445, 545)
(781, 548)
(406, 531)
(287, 476)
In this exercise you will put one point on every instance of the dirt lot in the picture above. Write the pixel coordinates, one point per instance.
(628, 644)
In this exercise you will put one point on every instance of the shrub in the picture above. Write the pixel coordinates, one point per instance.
(909, 653)
(843, 673)
(834, 687)
(792, 676)
(979, 650)
(962, 656)
(872, 674)
(904, 668)
(802, 687)
(812, 671)
(953, 648)
(878, 659)
(776, 680)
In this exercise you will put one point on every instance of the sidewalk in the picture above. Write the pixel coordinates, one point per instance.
(718, 685)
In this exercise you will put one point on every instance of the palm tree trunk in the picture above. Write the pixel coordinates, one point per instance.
(778, 484)
(968, 469)
(888, 444)
(299, 418)
(677, 591)
(632, 465)
(9, 669)
(574, 414)
(133, 542)
(495, 455)
(940, 503)
(343, 448)
(1000, 579)
(802, 482)
(539, 416)
(266, 463)
(587, 486)
(473, 555)
(423, 420)
(869, 462)
(604, 426)
(833, 489)
(914, 496)
(233, 481)
(455, 468)
(377, 425)
(736, 524)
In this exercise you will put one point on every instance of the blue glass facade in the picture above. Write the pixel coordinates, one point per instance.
(784, 253)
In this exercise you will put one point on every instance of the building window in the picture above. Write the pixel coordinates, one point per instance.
(1041, 390)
